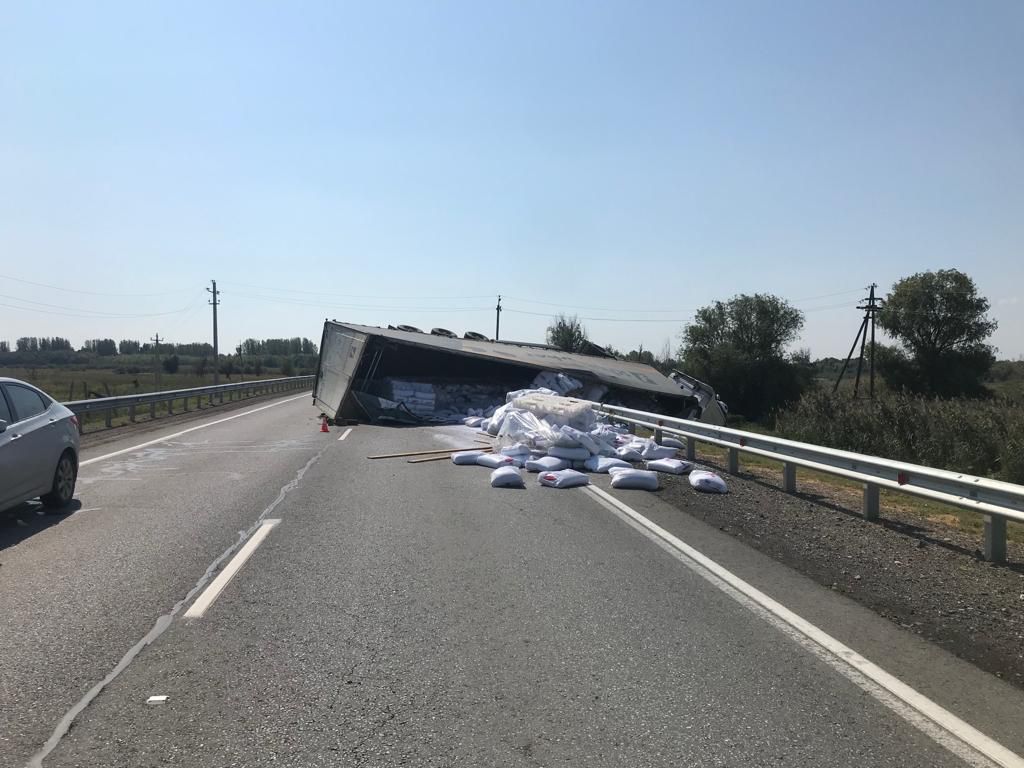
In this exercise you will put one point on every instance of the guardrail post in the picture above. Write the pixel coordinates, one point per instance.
(184, 401)
(871, 501)
(734, 461)
(110, 413)
(789, 477)
(658, 434)
(995, 539)
(131, 413)
(170, 407)
(152, 410)
(691, 449)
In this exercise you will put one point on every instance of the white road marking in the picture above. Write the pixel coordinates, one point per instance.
(165, 438)
(212, 592)
(942, 725)
(163, 622)
(345, 434)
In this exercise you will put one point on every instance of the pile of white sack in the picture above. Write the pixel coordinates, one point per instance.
(562, 439)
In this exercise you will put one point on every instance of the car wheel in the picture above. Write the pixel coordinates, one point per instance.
(63, 483)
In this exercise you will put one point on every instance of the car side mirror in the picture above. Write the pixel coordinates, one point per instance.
(3, 426)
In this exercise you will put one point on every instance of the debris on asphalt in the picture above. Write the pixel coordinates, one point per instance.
(634, 479)
(495, 460)
(546, 464)
(670, 466)
(566, 478)
(507, 477)
(153, 700)
(466, 457)
(708, 482)
(601, 464)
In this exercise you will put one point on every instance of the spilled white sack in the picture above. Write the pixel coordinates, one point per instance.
(566, 478)
(603, 464)
(546, 464)
(495, 460)
(466, 457)
(654, 451)
(671, 466)
(635, 479)
(627, 453)
(578, 454)
(709, 482)
(507, 477)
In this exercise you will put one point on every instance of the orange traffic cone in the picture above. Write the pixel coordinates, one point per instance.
(323, 424)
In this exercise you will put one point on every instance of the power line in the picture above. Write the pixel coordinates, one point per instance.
(92, 293)
(401, 308)
(353, 295)
(90, 312)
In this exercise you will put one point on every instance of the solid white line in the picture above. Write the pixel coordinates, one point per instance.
(939, 723)
(186, 431)
(212, 592)
(345, 434)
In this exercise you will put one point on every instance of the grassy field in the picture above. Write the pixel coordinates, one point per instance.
(65, 384)
(848, 493)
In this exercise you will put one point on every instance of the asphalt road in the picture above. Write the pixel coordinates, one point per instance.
(406, 614)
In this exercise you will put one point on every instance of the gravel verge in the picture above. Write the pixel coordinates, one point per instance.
(928, 578)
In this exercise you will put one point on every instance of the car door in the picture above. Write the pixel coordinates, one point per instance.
(10, 474)
(30, 435)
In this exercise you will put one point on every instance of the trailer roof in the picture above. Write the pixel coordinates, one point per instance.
(618, 373)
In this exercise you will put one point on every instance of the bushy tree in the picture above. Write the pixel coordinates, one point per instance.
(170, 364)
(941, 324)
(567, 333)
(739, 348)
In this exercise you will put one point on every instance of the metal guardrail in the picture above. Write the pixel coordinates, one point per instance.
(243, 389)
(997, 501)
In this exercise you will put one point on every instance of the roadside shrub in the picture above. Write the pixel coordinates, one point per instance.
(979, 437)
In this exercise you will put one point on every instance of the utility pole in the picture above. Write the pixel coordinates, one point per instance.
(214, 302)
(874, 305)
(156, 360)
(497, 320)
(870, 309)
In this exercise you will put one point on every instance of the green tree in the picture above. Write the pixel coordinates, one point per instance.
(567, 333)
(739, 348)
(287, 369)
(941, 324)
(170, 364)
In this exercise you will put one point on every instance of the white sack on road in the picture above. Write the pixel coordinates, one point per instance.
(507, 477)
(573, 454)
(671, 466)
(635, 479)
(546, 464)
(495, 460)
(566, 478)
(709, 482)
(627, 453)
(466, 457)
(602, 464)
(654, 451)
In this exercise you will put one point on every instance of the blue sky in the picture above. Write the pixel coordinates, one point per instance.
(407, 162)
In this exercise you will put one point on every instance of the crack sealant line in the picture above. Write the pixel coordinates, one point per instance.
(162, 623)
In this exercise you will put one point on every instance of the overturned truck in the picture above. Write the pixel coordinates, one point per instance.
(385, 375)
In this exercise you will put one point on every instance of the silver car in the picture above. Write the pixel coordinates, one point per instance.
(38, 447)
